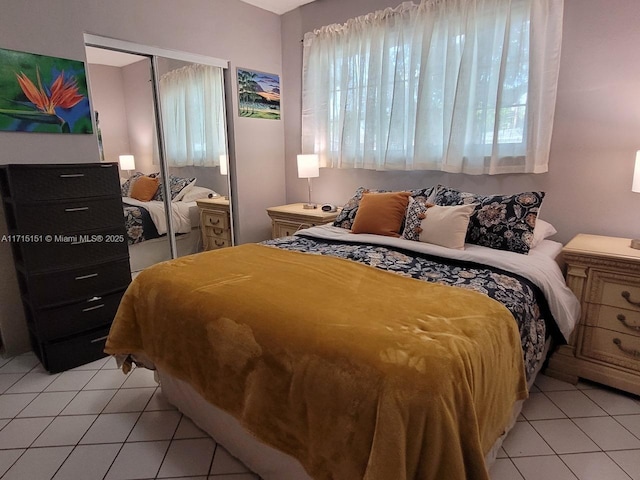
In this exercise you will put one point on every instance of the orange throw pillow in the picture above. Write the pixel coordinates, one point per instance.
(381, 213)
(144, 188)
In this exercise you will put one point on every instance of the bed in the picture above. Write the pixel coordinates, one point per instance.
(146, 221)
(307, 363)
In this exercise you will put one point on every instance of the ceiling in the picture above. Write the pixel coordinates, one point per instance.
(278, 6)
(102, 56)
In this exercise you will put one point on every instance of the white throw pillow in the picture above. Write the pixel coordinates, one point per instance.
(196, 193)
(446, 226)
(541, 231)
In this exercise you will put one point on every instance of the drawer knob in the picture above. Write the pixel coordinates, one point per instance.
(214, 223)
(72, 175)
(77, 209)
(219, 244)
(627, 296)
(623, 320)
(89, 309)
(99, 339)
(218, 231)
(85, 277)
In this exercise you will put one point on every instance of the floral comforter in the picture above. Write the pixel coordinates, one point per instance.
(523, 299)
(138, 224)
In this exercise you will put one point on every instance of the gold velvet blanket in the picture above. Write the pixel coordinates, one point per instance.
(356, 372)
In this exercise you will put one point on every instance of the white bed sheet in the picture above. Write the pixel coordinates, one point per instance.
(539, 266)
(181, 214)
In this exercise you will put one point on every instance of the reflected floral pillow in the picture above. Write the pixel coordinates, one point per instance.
(502, 222)
(176, 184)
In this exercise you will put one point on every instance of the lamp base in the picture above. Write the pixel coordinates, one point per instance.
(309, 206)
(635, 243)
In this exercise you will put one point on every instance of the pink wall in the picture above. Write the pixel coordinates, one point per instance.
(596, 128)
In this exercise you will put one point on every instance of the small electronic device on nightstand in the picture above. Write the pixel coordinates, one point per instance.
(327, 207)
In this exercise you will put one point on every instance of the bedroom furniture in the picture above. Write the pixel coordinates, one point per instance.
(215, 223)
(288, 219)
(308, 167)
(604, 273)
(70, 252)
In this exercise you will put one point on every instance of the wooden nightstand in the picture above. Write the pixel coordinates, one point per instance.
(288, 219)
(215, 223)
(604, 273)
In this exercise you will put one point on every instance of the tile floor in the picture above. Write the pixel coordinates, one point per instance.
(93, 422)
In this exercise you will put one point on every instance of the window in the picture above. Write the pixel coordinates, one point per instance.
(465, 86)
(193, 120)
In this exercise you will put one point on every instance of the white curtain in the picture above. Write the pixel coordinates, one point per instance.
(193, 116)
(453, 85)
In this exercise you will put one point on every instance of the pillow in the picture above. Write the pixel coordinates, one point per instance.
(144, 188)
(502, 222)
(348, 213)
(413, 218)
(126, 186)
(196, 193)
(445, 226)
(176, 184)
(541, 231)
(381, 213)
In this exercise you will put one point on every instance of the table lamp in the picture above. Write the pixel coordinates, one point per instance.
(127, 162)
(635, 187)
(308, 167)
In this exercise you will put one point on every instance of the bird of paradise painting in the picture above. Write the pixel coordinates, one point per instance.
(43, 94)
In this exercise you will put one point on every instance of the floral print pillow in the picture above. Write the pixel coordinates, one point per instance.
(502, 222)
(415, 213)
(176, 184)
(348, 213)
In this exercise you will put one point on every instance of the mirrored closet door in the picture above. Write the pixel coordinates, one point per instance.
(164, 118)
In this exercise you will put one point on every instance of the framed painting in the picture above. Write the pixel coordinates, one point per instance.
(258, 94)
(43, 94)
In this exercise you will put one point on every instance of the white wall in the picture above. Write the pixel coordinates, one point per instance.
(245, 35)
(596, 129)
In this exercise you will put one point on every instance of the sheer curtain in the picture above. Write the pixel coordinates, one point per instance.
(193, 116)
(457, 85)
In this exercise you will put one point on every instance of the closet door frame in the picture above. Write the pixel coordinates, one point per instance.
(153, 53)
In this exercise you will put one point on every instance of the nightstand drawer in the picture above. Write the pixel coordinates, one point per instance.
(614, 318)
(213, 243)
(615, 289)
(285, 229)
(611, 347)
(218, 220)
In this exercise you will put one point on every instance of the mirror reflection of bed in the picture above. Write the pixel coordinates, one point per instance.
(194, 149)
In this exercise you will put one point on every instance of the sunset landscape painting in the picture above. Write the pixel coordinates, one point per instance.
(43, 94)
(259, 94)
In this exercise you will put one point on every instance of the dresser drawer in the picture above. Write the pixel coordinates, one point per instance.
(29, 183)
(55, 323)
(72, 250)
(218, 220)
(67, 286)
(213, 243)
(611, 347)
(68, 216)
(72, 351)
(614, 318)
(285, 229)
(614, 289)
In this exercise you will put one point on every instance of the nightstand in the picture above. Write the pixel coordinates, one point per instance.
(604, 273)
(288, 219)
(215, 223)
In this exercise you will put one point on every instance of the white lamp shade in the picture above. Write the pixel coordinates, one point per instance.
(224, 165)
(308, 166)
(636, 175)
(127, 162)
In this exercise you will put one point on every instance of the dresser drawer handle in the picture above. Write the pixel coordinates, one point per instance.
(99, 339)
(627, 296)
(623, 320)
(219, 244)
(88, 309)
(84, 277)
(218, 231)
(214, 223)
(77, 209)
(629, 351)
(72, 175)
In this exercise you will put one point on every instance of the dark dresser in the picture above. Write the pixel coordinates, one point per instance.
(66, 229)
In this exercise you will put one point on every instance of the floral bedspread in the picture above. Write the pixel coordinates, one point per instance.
(519, 295)
(138, 224)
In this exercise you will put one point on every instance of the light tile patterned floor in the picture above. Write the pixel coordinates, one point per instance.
(95, 423)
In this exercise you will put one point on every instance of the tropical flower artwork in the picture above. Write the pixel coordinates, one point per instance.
(43, 94)
(259, 94)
